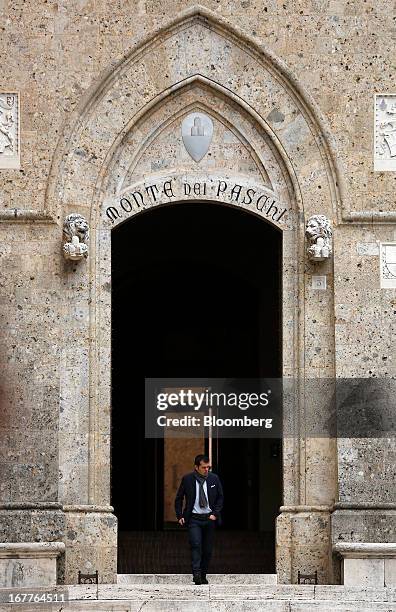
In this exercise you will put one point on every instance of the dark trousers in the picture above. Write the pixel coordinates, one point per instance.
(200, 535)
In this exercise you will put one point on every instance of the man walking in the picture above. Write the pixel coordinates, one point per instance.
(204, 501)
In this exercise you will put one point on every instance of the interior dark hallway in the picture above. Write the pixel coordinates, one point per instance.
(195, 293)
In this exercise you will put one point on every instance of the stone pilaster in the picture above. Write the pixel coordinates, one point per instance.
(303, 543)
(91, 542)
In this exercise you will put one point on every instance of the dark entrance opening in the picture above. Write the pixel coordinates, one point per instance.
(196, 292)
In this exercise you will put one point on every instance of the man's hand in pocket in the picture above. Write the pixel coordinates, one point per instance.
(212, 517)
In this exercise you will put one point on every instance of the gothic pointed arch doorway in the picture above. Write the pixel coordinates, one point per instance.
(196, 292)
(271, 154)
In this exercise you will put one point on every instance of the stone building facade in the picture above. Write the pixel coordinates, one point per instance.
(102, 90)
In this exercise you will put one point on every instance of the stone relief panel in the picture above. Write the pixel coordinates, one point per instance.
(385, 132)
(9, 130)
(388, 265)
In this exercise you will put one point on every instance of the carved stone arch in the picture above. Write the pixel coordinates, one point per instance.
(252, 133)
(199, 104)
(282, 93)
(97, 161)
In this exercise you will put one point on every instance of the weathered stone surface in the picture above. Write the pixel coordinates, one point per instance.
(103, 95)
(319, 606)
(29, 564)
(390, 572)
(365, 524)
(91, 540)
(353, 593)
(366, 563)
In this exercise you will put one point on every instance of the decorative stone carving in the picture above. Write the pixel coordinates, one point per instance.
(197, 132)
(9, 130)
(388, 265)
(76, 237)
(318, 233)
(385, 132)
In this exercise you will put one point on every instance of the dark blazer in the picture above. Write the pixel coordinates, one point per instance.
(187, 490)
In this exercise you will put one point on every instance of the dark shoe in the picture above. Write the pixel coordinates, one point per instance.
(197, 578)
(203, 579)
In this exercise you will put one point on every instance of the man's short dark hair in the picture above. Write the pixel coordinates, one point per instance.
(199, 458)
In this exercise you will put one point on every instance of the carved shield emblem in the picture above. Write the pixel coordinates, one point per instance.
(197, 132)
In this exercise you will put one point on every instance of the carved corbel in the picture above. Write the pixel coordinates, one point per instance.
(75, 237)
(318, 233)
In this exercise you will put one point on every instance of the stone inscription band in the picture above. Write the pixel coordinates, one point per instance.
(254, 197)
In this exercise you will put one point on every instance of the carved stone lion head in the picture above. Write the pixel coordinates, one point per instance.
(76, 225)
(318, 226)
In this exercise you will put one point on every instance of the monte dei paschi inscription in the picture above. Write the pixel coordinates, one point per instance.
(144, 195)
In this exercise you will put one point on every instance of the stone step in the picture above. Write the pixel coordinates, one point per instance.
(234, 592)
(211, 598)
(187, 578)
(199, 606)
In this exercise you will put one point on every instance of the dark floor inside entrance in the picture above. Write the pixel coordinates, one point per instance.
(195, 293)
(235, 552)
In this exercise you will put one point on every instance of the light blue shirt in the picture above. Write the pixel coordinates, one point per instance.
(197, 509)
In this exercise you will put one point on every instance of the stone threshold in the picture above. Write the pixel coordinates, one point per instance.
(187, 579)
